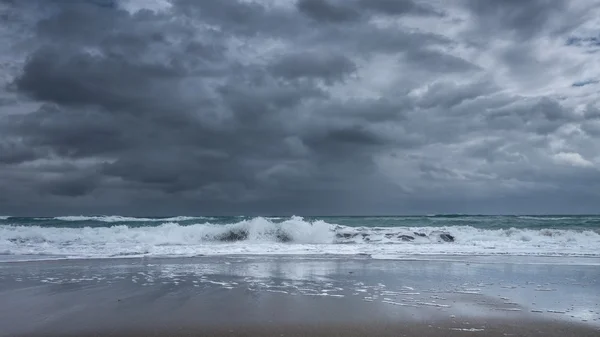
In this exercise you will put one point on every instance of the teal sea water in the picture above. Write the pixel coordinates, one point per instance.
(383, 237)
(582, 222)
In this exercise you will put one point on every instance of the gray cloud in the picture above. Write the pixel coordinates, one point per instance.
(327, 67)
(326, 11)
(333, 11)
(584, 83)
(309, 106)
(83, 79)
(439, 62)
(522, 19)
(399, 7)
(75, 185)
(12, 152)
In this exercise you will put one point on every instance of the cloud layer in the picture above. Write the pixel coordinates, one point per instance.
(305, 107)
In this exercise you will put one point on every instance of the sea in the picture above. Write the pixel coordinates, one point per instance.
(378, 237)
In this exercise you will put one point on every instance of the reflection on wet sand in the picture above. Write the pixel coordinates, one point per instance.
(284, 290)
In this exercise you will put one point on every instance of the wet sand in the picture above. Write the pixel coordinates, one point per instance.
(493, 329)
(296, 296)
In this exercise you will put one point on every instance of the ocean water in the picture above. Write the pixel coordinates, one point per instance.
(76, 237)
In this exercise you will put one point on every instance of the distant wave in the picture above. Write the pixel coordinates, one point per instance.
(449, 215)
(4, 217)
(118, 218)
(293, 235)
(546, 218)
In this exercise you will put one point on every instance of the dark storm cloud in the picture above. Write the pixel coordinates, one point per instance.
(521, 18)
(12, 152)
(353, 135)
(328, 67)
(366, 111)
(243, 18)
(371, 40)
(176, 170)
(67, 132)
(399, 7)
(80, 79)
(440, 62)
(309, 106)
(592, 112)
(327, 11)
(542, 116)
(333, 11)
(74, 185)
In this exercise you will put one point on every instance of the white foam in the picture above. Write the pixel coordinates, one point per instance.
(4, 217)
(261, 236)
(118, 218)
(398, 303)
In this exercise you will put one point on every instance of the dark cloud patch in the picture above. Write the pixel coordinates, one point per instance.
(71, 185)
(522, 19)
(174, 171)
(239, 17)
(86, 79)
(105, 3)
(551, 110)
(327, 11)
(79, 23)
(68, 132)
(592, 129)
(489, 150)
(439, 62)
(366, 111)
(353, 135)
(256, 100)
(432, 171)
(590, 41)
(13, 152)
(333, 11)
(584, 83)
(329, 67)
(542, 116)
(371, 40)
(592, 112)
(399, 7)
(449, 95)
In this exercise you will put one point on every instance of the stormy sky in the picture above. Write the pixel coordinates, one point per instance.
(160, 107)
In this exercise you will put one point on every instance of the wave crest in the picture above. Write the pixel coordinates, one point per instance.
(294, 235)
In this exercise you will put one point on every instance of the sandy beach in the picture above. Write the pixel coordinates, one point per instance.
(300, 296)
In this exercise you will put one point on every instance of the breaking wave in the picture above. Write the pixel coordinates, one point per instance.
(293, 235)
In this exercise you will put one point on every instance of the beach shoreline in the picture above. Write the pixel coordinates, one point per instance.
(317, 296)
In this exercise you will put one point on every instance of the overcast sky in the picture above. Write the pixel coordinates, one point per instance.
(157, 107)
